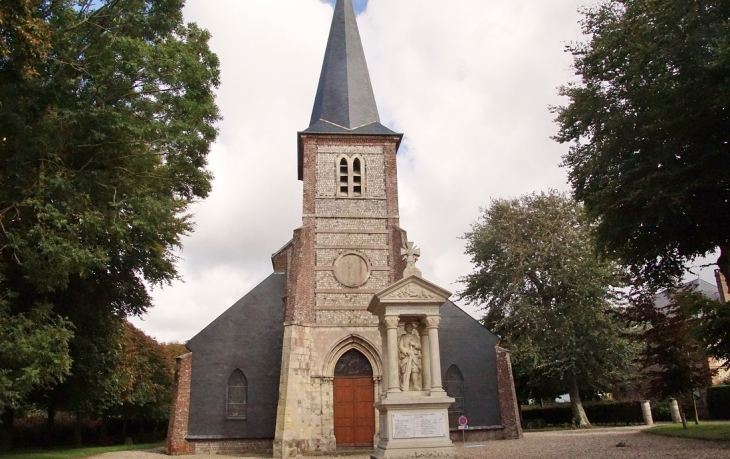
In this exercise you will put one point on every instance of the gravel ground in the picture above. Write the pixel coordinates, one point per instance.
(594, 443)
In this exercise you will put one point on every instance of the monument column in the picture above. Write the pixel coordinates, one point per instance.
(432, 323)
(391, 324)
(425, 356)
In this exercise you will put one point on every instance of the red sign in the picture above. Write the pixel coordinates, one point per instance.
(462, 421)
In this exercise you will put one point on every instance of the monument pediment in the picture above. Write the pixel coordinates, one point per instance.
(412, 290)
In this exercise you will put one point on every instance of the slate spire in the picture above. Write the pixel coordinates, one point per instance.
(345, 102)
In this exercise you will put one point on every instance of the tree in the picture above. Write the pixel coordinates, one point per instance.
(34, 354)
(714, 329)
(649, 124)
(674, 355)
(544, 291)
(107, 115)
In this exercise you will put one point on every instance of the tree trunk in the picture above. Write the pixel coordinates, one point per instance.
(694, 406)
(723, 263)
(77, 430)
(6, 429)
(579, 414)
(50, 425)
(103, 437)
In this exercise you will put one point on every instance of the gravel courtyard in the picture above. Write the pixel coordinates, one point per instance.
(595, 443)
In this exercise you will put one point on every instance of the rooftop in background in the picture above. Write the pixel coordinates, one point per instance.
(698, 285)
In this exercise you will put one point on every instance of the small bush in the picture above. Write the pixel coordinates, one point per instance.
(718, 402)
(599, 413)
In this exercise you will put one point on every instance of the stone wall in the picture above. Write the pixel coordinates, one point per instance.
(232, 447)
(488, 433)
(178, 427)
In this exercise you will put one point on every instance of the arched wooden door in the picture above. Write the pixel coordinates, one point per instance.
(354, 395)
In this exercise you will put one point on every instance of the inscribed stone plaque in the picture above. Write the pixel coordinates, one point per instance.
(418, 425)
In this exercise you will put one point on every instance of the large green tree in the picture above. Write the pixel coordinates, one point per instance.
(649, 124)
(107, 115)
(544, 291)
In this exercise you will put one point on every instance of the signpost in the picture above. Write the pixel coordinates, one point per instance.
(463, 427)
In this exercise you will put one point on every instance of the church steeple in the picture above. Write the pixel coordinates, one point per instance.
(345, 102)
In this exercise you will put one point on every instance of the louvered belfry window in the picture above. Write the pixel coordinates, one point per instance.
(237, 396)
(350, 176)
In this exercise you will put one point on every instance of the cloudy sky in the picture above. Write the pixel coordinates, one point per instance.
(468, 82)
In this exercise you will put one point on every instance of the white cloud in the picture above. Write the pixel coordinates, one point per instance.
(468, 82)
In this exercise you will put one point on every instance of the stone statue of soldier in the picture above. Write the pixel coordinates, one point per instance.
(409, 352)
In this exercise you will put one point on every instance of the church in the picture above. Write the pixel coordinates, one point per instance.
(296, 365)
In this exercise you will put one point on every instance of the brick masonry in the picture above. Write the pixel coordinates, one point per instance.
(178, 427)
(509, 408)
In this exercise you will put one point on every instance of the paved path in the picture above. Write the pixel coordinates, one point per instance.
(594, 443)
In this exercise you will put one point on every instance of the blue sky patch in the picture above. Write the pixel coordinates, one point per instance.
(359, 5)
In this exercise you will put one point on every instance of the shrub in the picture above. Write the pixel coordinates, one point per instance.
(660, 411)
(718, 402)
(599, 413)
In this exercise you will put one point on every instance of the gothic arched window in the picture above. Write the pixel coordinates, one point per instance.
(454, 385)
(237, 396)
(350, 173)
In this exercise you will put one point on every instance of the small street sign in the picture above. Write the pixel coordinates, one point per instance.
(463, 427)
(463, 421)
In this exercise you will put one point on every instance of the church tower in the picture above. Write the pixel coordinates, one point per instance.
(347, 249)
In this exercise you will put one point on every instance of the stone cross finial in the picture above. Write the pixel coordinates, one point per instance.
(410, 254)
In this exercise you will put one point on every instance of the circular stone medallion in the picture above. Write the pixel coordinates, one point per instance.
(352, 269)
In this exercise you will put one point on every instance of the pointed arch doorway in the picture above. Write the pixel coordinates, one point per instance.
(354, 395)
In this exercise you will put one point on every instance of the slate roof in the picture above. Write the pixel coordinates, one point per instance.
(466, 343)
(345, 102)
(706, 288)
(248, 336)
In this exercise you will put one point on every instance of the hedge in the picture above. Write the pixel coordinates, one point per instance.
(718, 402)
(599, 413)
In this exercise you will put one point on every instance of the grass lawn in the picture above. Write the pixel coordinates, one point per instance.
(706, 430)
(74, 453)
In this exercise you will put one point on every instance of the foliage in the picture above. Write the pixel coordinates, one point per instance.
(719, 431)
(545, 292)
(143, 379)
(120, 372)
(718, 401)
(674, 356)
(78, 453)
(649, 124)
(714, 329)
(33, 353)
(173, 351)
(106, 120)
